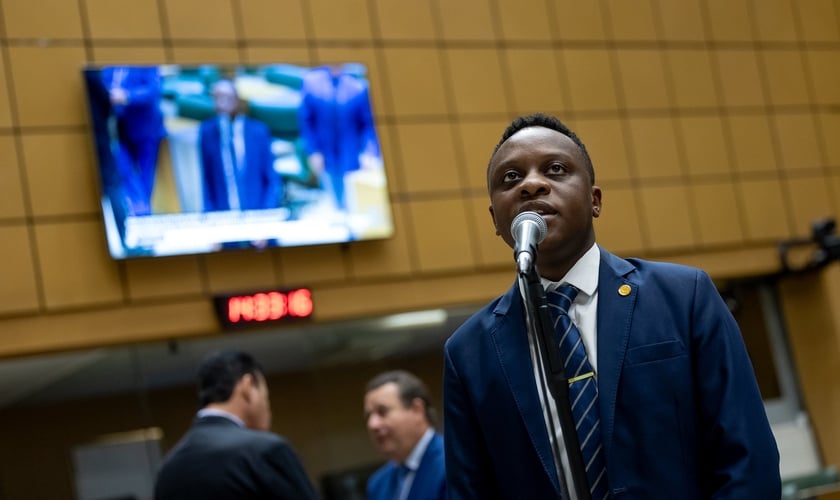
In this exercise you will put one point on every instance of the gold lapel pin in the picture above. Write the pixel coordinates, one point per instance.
(624, 290)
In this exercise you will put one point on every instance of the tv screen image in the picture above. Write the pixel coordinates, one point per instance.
(198, 159)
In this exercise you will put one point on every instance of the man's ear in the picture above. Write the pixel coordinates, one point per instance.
(244, 387)
(493, 216)
(418, 405)
(596, 201)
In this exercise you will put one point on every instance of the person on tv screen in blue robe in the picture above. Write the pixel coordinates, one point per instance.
(336, 125)
(136, 128)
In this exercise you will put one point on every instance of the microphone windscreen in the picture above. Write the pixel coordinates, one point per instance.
(529, 218)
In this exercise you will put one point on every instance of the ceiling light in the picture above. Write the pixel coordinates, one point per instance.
(431, 317)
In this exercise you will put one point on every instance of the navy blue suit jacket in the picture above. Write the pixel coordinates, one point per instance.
(259, 184)
(429, 481)
(681, 414)
(218, 459)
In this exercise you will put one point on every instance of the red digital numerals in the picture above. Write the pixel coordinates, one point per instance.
(269, 306)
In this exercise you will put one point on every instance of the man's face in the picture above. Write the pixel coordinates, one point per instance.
(393, 428)
(259, 405)
(542, 170)
(225, 98)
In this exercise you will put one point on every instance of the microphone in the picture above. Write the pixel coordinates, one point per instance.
(528, 230)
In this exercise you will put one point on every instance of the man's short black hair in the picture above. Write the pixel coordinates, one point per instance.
(221, 371)
(409, 388)
(546, 121)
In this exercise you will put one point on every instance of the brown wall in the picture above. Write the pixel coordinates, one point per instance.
(712, 126)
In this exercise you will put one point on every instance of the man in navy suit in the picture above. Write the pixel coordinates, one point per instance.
(229, 453)
(336, 125)
(400, 421)
(236, 158)
(680, 411)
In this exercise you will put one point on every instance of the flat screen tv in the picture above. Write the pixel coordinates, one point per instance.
(198, 159)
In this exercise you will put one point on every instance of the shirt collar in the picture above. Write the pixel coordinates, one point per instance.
(226, 121)
(213, 412)
(583, 275)
(413, 460)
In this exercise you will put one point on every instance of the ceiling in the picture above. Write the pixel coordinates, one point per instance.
(114, 370)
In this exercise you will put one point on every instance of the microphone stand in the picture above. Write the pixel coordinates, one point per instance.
(541, 332)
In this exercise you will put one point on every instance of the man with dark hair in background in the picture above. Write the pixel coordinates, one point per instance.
(662, 391)
(401, 423)
(228, 452)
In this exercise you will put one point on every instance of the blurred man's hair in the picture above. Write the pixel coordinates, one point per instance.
(409, 387)
(221, 371)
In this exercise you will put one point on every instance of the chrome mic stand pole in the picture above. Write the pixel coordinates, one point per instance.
(541, 331)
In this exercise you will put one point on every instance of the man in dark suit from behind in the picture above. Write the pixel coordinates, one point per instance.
(228, 452)
(400, 420)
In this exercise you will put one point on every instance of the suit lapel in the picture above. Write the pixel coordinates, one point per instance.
(616, 301)
(510, 334)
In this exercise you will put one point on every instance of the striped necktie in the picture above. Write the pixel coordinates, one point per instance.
(583, 390)
(400, 476)
(229, 163)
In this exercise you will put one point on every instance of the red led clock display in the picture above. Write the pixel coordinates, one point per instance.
(264, 307)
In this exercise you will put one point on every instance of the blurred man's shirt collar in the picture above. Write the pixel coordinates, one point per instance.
(212, 412)
(413, 460)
